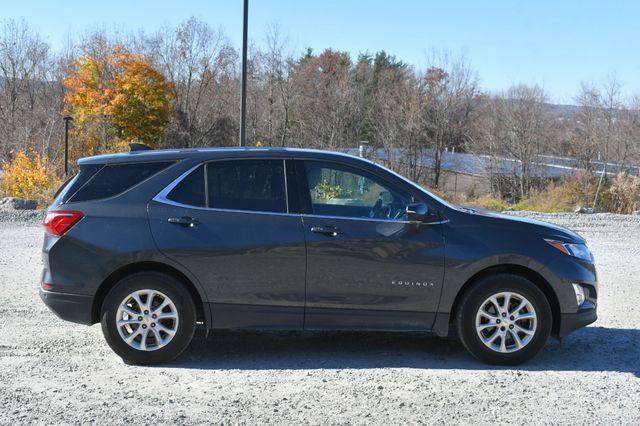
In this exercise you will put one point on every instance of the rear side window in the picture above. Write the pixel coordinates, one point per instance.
(114, 179)
(248, 185)
(190, 190)
(251, 185)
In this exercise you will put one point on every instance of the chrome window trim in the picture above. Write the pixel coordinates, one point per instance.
(161, 197)
(214, 209)
(373, 219)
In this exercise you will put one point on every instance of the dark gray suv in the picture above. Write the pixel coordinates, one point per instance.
(150, 243)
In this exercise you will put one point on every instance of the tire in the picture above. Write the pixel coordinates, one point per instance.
(523, 338)
(166, 335)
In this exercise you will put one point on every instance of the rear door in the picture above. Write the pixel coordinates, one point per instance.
(228, 222)
(367, 266)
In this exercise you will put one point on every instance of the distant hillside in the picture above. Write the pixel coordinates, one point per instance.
(562, 110)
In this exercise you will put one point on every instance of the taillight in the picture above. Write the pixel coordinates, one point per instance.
(58, 222)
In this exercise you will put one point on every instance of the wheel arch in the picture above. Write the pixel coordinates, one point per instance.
(148, 266)
(521, 271)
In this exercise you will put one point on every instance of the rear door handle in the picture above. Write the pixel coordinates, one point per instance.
(326, 230)
(184, 221)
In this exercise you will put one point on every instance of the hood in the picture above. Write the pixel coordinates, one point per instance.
(545, 229)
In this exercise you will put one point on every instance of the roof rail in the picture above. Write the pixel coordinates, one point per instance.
(133, 147)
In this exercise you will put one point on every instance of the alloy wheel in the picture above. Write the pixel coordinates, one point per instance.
(506, 322)
(147, 320)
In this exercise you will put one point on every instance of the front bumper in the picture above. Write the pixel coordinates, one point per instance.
(69, 307)
(571, 322)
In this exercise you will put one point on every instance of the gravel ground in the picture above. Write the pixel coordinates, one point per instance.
(20, 218)
(57, 372)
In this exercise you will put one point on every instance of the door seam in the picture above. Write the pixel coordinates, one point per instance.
(306, 269)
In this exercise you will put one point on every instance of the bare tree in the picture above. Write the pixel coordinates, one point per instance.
(29, 97)
(396, 119)
(280, 66)
(610, 106)
(323, 110)
(631, 131)
(202, 66)
(449, 89)
(520, 126)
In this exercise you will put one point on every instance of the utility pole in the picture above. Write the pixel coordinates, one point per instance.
(67, 119)
(243, 83)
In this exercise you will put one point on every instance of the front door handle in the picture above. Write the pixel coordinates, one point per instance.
(326, 230)
(184, 221)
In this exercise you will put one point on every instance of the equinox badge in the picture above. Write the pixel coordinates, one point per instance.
(412, 283)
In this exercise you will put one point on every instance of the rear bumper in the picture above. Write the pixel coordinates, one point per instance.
(582, 318)
(69, 307)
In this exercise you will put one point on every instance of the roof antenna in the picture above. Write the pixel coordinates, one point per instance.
(133, 147)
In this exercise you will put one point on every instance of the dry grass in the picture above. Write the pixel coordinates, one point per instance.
(618, 195)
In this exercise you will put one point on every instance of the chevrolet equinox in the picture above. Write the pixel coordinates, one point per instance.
(151, 243)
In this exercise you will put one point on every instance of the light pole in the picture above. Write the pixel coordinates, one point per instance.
(66, 119)
(243, 83)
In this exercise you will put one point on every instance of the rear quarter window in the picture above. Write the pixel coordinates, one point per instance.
(190, 190)
(74, 183)
(114, 179)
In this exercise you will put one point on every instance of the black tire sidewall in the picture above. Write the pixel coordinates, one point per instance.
(482, 290)
(173, 289)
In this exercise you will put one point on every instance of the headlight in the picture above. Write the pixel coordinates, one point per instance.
(576, 250)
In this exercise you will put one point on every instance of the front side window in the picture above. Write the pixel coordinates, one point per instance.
(252, 185)
(337, 190)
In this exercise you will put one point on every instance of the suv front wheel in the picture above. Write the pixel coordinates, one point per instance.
(148, 318)
(504, 319)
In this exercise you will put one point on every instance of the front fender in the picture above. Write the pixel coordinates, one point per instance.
(459, 275)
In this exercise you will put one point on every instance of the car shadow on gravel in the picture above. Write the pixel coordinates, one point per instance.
(589, 349)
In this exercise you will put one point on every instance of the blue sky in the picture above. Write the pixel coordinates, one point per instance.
(556, 44)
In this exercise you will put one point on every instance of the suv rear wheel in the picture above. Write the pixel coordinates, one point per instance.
(504, 319)
(148, 318)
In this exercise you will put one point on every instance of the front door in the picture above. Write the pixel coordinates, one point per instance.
(368, 267)
(228, 223)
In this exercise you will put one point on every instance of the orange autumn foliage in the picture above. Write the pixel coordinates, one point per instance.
(115, 99)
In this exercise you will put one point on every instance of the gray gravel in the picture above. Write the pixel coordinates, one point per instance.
(20, 218)
(56, 372)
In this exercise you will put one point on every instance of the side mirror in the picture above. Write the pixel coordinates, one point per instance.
(417, 212)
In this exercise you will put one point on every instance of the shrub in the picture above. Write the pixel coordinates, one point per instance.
(490, 203)
(623, 196)
(553, 199)
(30, 177)
(453, 198)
